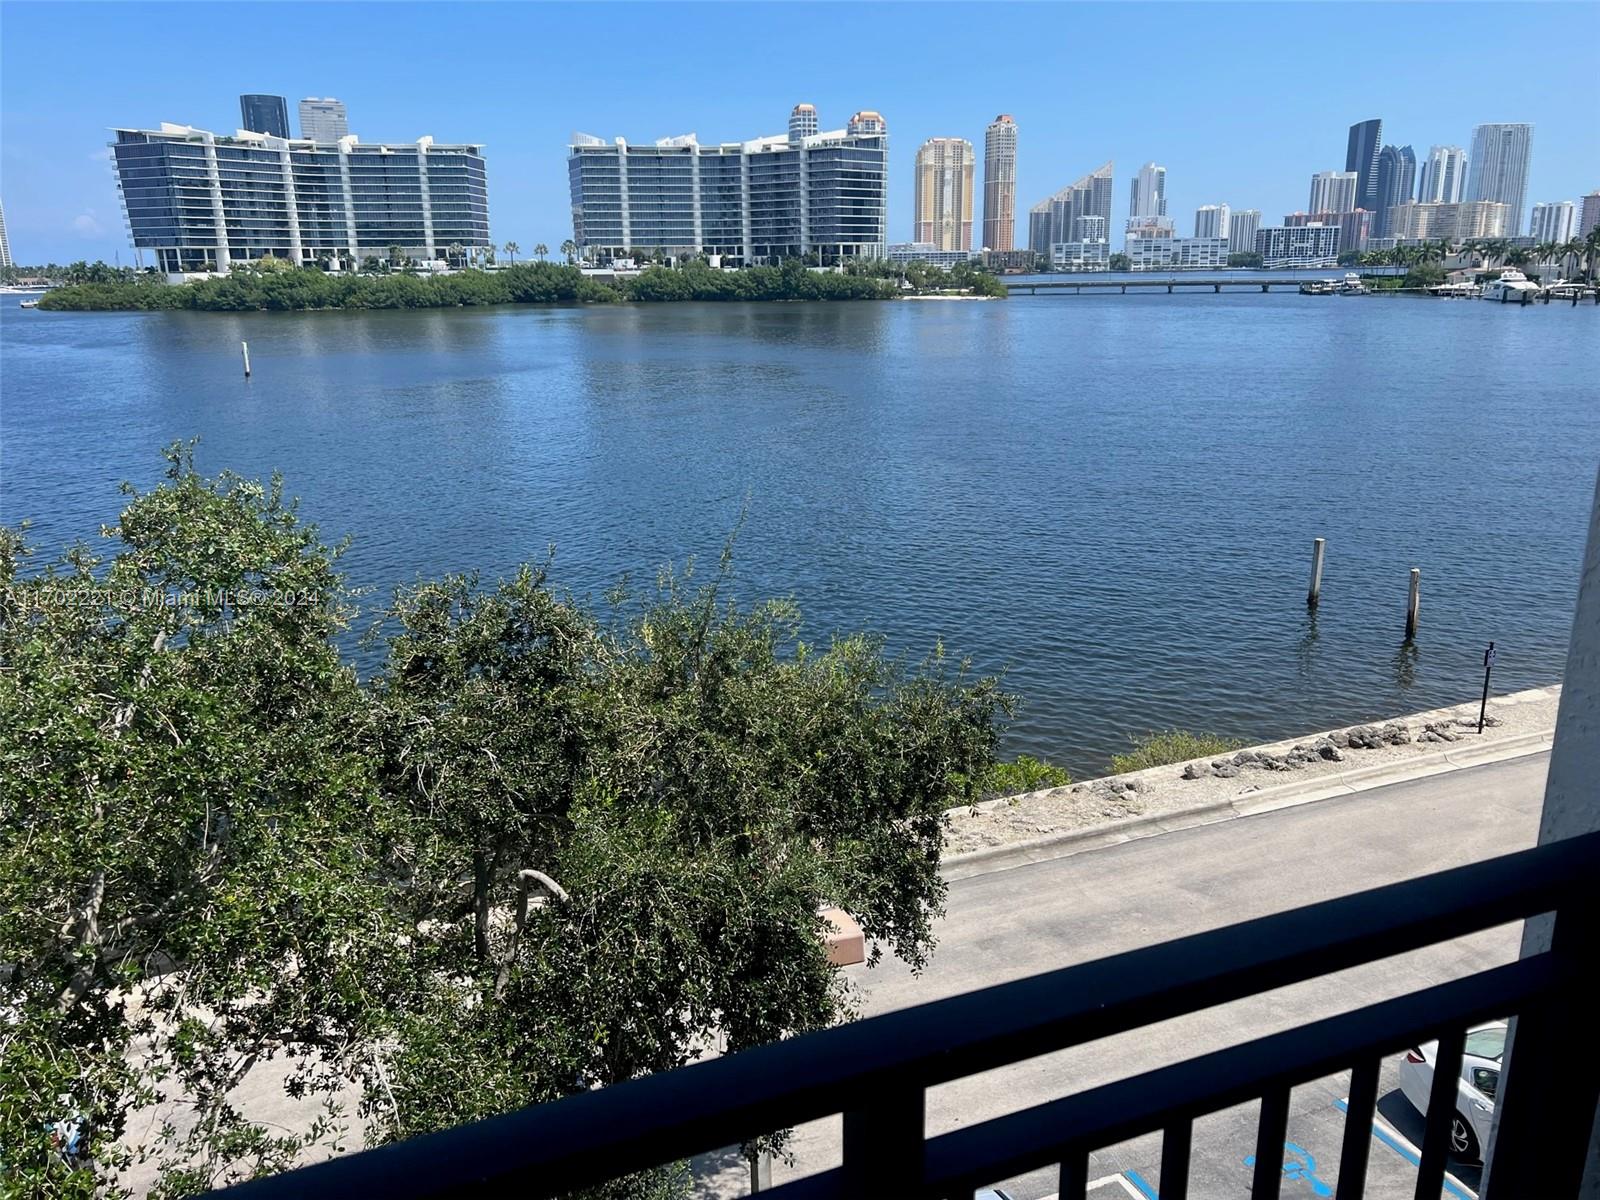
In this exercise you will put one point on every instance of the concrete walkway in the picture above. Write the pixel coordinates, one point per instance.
(1007, 923)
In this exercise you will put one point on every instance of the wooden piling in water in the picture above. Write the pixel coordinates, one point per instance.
(244, 348)
(1314, 595)
(1413, 600)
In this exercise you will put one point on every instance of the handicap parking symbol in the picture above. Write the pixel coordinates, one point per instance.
(1298, 1166)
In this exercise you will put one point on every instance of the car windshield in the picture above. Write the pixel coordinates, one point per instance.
(1487, 1043)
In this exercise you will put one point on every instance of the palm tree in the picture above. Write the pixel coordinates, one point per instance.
(512, 249)
(1495, 249)
(569, 248)
(1572, 251)
(1591, 250)
(454, 253)
(396, 257)
(1516, 256)
(541, 250)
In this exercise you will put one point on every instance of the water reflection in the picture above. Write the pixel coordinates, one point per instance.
(1403, 666)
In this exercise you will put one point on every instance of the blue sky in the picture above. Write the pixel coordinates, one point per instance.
(1241, 102)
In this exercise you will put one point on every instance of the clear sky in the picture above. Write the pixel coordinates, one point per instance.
(1241, 102)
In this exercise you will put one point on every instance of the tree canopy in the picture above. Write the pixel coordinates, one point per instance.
(548, 846)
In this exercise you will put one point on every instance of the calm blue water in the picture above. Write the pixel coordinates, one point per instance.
(1110, 498)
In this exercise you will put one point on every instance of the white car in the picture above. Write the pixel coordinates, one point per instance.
(1475, 1090)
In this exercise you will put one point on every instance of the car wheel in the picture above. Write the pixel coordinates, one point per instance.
(1463, 1141)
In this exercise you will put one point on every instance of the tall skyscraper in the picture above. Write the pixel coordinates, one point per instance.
(1589, 215)
(1334, 191)
(264, 114)
(802, 123)
(1444, 176)
(323, 120)
(1554, 222)
(748, 202)
(1361, 156)
(1242, 227)
(1397, 180)
(944, 175)
(1148, 192)
(1000, 184)
(1055, 219)
(1211, 221)
(5, 244)
(296, 200)
(1498, 168)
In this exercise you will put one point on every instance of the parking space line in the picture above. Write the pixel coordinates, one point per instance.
(1397, 1141)
(1121, 1182)
(1145, 1192)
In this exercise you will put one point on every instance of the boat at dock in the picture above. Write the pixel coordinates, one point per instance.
(1461, 289)
(29, 304)
(1320, 287)
(1352, 285)
(1512, 287)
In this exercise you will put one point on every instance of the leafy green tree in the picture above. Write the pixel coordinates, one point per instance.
(546, 848)
(1121, 262)
(1244, 258)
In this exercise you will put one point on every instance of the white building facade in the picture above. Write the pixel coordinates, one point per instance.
(1176, 254)
(1242, 226)
(1444, 176)
(1554, 222)
(202, 201)
(1211, 221)
(323, 120)
(1086, 254)
(762, 201)
(1497, 171)
(1148, 192)
(1333, 191)
(1298, 245)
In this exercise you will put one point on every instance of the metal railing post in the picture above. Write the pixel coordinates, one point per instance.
(883, 1144)
(1548, 1097)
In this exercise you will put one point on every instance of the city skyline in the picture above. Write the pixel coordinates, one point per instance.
(62, 204)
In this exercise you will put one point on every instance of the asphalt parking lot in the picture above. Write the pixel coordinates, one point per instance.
(1222, 1159)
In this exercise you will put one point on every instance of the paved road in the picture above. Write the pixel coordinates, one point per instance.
(1041, 916)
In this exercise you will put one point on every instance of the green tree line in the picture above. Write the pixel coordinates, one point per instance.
(549, 845)
(277, 286)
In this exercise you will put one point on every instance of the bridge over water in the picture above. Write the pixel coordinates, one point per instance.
(1167, 283)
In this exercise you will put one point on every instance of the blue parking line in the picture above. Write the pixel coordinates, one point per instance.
(1404, 1153)
(1137, 1180)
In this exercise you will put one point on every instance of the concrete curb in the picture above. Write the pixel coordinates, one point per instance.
(1288, 795)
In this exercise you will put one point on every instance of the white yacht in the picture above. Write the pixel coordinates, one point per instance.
(1352, 285)
(1511, 287)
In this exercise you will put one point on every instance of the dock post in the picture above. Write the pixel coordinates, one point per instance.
(1413, 599)
(1314, 596)
(245, 348)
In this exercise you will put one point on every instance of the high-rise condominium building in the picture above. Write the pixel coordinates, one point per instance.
(945, 170)
(1148, 192)
(1397, 180)
(1589, 216)
(1000, 184)
(1452, 222)
(1554, 222)
(1444, 176)
(264, 114)
(1242, 226)
(323, 120)
(1211, 221)
(1055, 219)
(1333, 191)
(203, 201)
(1361, 156)
(1498, 168)
(759, 201)
(1298, 246)
(802, 122)
(5, 243)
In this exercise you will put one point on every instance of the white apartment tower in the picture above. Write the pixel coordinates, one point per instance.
(1554, 222)
(802, 123)
(323, 120)
(1444, 176)
(1212, 221)
(1148, 195)
(1498, 169)
(1333, 192)
(1242, 227)
(5, 245)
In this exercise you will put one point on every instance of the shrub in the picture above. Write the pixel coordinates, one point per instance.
(1170, 746)
(1026, 774)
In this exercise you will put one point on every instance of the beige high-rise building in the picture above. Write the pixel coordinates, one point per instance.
(944, 194)
(1000, 184)
(1457, 222)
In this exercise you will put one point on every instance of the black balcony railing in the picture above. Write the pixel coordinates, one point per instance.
(876, 1072)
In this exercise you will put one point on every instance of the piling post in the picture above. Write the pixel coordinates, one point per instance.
(1413, 599)
(1314, 595)
(245, 349)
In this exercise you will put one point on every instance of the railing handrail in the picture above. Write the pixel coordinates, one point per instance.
(704, 1106)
